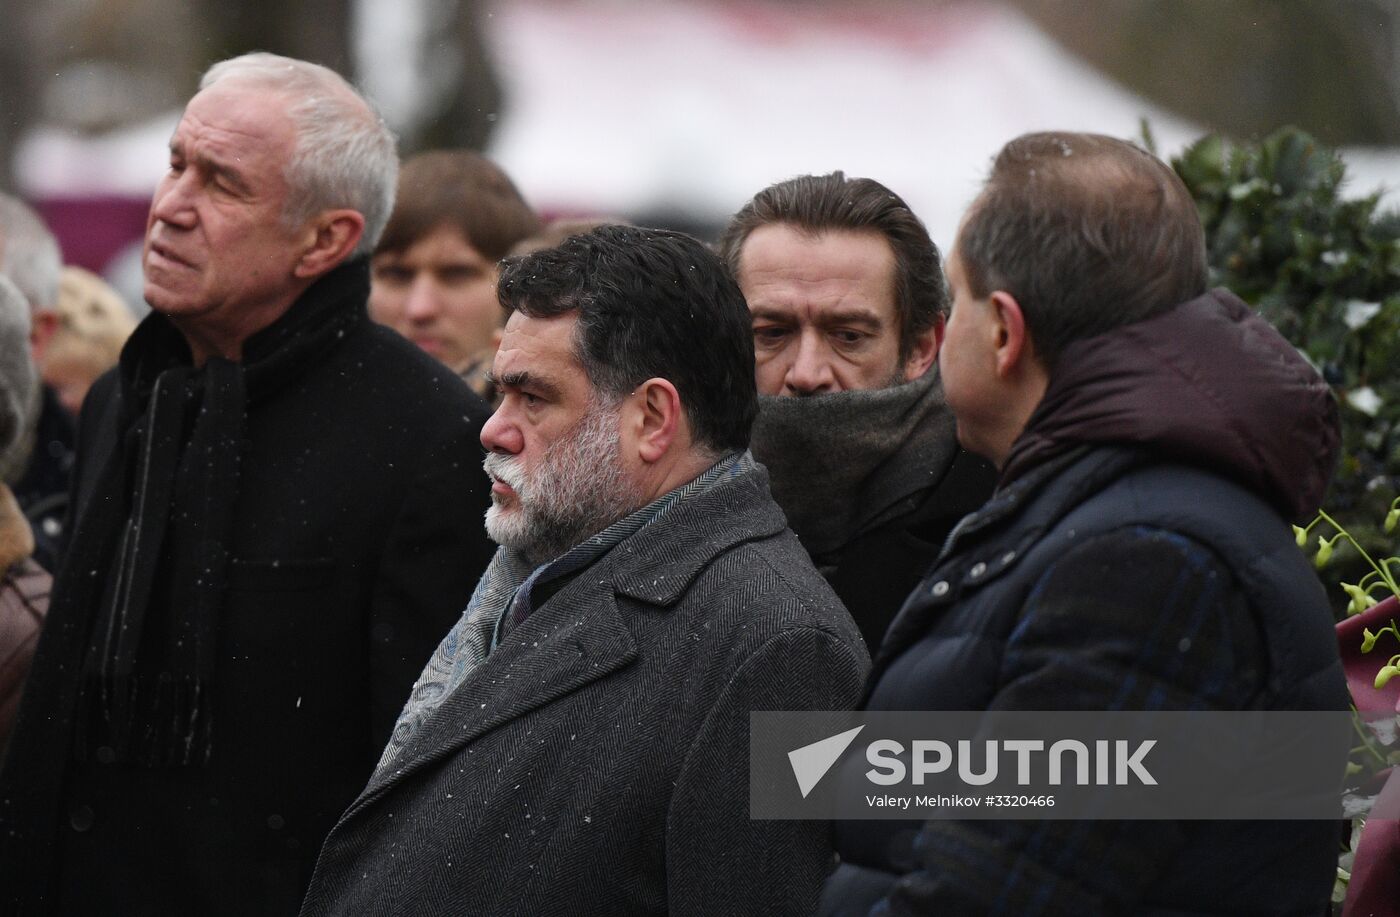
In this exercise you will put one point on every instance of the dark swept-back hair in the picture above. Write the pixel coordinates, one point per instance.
(1087, 232)
(815, 204)
(460, 189)
(650, 303)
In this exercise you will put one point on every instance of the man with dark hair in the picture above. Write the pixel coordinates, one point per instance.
(1153, 439)
(273, 528)
(578, 743)
(434, 271)
(848, 305)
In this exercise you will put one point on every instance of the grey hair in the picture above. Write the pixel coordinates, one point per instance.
(19, 383)
(345, 154)
(29, 253)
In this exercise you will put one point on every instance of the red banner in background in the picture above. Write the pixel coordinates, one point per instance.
(93, 229)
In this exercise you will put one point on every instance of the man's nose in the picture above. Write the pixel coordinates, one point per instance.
(174, 203)
(423, 302)
(501, 434)
(810, 372)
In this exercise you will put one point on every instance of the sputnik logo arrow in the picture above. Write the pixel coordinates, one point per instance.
(811, 762)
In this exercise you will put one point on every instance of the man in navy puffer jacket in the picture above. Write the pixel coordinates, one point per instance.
(1153, 440)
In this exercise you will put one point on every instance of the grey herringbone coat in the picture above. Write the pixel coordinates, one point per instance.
(597, 762)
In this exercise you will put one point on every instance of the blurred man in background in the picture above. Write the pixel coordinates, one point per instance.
(30, 257)
(277, 517)
(848, 305)
(556, 231)
(434, 271)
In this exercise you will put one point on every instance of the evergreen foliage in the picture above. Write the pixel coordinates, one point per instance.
(1326, 272)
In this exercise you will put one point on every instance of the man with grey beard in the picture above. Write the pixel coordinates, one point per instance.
(575, 491)
(579, 741)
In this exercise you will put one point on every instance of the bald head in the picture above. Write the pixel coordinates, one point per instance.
(1087, 232)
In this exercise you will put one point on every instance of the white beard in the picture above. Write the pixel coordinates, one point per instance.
(578, 489)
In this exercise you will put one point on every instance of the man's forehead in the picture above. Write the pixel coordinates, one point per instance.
(814, 254)
(537, 345)
(821, 280)
(225, 119)
(443, 244)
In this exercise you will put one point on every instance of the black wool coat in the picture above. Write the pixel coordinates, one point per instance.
(597, 762)
(355, 543)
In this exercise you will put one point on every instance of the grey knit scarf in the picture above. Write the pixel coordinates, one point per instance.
(502, 600)
(844, 463)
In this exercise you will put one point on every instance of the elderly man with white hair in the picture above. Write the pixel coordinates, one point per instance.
(277, 518)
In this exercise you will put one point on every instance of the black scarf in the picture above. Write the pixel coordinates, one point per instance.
(74, 664)
(845, 463)
(161, 522)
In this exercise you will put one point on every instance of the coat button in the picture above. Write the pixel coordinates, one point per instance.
(80, 818)
(978, 569)
(940, 588)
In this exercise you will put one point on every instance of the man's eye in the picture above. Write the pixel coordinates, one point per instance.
(769, 334)
(847, 337)
(393, 275)
(529, 399)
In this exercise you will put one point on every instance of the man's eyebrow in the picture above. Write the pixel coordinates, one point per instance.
(865, 317)
(521, 379)
(770, 314)
(213, 167)
(225, 171)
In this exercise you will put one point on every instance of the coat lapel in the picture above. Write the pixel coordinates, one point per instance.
(578, 636)
(575, 638)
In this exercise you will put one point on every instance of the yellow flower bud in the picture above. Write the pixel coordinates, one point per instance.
(1300, 535)
(1391, 518)
(1360, 600)
(1384, 675)
(1368, 640)
(1324, 552)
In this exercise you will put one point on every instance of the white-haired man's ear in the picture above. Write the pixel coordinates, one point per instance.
(330, 238)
